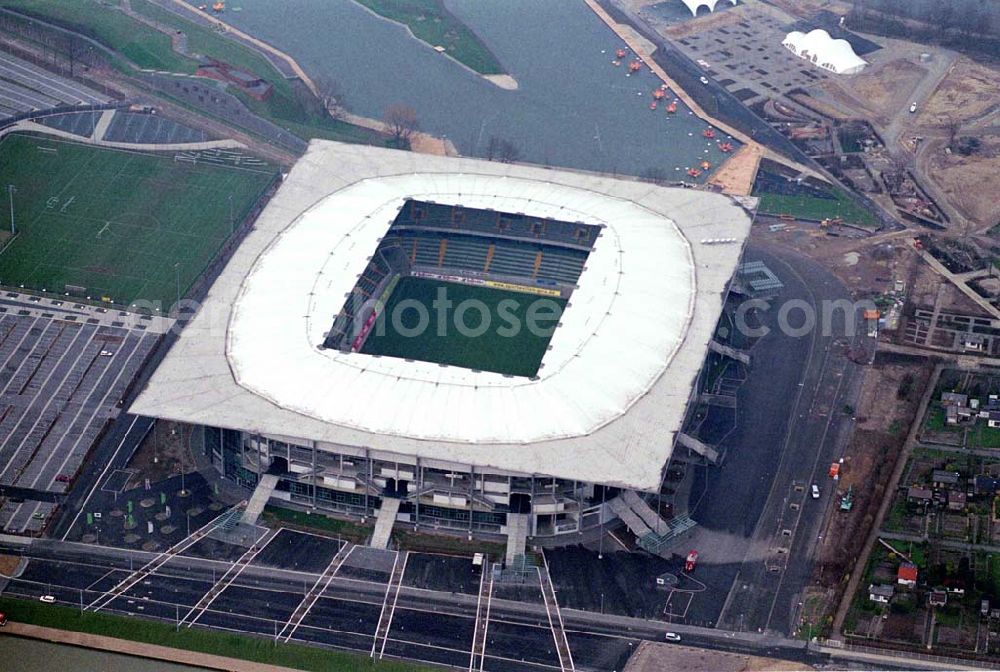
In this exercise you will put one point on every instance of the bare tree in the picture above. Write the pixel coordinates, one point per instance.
(331, 95)
(402, 122)
(656, 175)
(953, 126)
(502, 150)
(75, 48)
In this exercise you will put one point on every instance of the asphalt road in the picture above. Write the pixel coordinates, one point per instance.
(766, 592)
(427, 625)
(789, 426)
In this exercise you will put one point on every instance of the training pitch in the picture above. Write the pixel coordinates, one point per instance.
(123, 225)
(460, 336)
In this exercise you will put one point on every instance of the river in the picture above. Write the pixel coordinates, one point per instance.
(573, 108)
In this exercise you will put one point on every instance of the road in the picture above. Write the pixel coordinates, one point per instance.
(428, 625)
(789, 425)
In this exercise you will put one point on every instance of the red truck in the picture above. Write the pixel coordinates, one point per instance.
(691, 561)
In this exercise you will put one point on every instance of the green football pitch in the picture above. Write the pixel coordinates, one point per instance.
(507, 346)
(124, 225)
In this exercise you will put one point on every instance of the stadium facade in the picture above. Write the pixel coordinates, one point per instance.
(283, 369)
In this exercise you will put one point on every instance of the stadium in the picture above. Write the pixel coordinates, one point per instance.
(455, 344)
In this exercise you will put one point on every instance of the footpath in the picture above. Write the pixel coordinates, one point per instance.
(139, 649)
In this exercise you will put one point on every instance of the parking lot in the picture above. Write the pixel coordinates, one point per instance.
(61, 381)
(25, 87)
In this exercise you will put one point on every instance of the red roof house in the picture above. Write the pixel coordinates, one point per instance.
(907, 575)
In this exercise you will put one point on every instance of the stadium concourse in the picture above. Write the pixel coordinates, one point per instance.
(437, 425)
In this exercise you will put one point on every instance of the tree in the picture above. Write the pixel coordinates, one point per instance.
(76, 48)
(402, 122)
(655, 175)
(331, 95)
(502, 150)
(953, 126)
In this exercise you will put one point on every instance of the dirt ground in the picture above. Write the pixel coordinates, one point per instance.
(967, 92)
(885, 410)
(8, 563)
(881, 90)
(164, 453)
(656, 657)
(867, 265)
(927, 287)
(971, 182)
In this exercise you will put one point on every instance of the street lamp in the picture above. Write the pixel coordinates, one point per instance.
(10, 193)
(177, 276)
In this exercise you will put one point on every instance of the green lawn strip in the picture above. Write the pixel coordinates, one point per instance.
(144, 46)
(280, 516)
(432, 23)
(195, 639)
(441, 543)
(116, 222)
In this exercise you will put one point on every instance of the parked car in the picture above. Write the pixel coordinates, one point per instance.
(47, 599)
(62, 478)
(815, 491)
(673, 637)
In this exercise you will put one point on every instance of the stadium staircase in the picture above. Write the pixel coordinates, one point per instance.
(703, 449)
(384, 522)
(517, 535)
(522, 569)
(261, 494)
(652, 531)
(729, 351)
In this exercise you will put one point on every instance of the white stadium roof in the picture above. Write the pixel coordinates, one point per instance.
(822, 50)
(614, 384)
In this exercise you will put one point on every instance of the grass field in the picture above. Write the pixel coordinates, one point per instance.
(432, 23)
(809, 207)
(115, 222)
(259, 650)
(517, 354)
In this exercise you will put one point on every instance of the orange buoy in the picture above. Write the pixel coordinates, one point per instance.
(705, 165)
(672, 107)
(708, 133)
(658, 94)
(635, 66)
(620, 53)
(219, 6)
(694, 172)
(652, 105)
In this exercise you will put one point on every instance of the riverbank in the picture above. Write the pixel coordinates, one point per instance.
(731, 179)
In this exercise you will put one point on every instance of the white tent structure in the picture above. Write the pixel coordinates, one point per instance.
(695, 5)
(821, 50)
